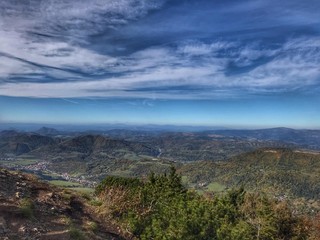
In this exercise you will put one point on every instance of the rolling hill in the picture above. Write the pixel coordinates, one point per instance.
(17, 143)
(281, 172)
(303, 137)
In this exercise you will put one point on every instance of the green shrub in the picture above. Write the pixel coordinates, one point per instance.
(93, 226)
(161, 208)
(76, 234)
(86, 196)
(26, 208)
(95, 202)
(115, 181)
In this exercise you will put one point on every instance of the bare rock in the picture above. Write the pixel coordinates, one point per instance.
(3, 226)
(18, 194)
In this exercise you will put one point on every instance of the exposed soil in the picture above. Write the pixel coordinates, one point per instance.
(32, 209)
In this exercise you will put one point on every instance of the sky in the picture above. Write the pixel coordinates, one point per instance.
(231, 63)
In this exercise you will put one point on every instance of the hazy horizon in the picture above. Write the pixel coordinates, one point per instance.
(135, 127)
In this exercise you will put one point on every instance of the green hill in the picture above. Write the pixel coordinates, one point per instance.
(281, 172)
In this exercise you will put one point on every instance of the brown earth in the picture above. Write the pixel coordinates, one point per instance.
(31, 209)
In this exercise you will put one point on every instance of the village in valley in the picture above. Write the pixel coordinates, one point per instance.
(42, 169)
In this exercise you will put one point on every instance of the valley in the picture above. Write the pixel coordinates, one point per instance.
(212, 161)
(209, 164)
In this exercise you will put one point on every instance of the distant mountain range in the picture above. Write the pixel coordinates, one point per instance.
(106, 127)
(178, 146)
(305, 138)
(48, 131)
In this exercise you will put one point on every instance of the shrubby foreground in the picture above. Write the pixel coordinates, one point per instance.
(160, 207)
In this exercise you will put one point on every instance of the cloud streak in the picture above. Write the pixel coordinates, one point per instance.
(63, 49)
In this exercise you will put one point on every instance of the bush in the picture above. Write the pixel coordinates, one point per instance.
(161, 208)
(76, 234)
(92, 226)
(115, 181)
(95, 202)
(26, 208)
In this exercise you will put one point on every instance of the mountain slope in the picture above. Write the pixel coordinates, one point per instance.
(277, 171)
(96, 145)
(17, 143)
(48, 131)
(30, 209)
(207, 146)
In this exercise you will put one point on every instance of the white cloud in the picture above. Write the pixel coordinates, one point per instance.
(52, 54)
(197, 48)
(164, 70)
(79, 18)
(68, 24)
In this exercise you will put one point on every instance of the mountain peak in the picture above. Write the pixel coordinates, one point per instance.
(47, 131)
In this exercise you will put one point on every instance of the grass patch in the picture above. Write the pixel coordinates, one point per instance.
(122, 173)
(132, 157)
(25, 162)
(50, 175)
(21, 162)
(66, 195)
(184, 179)
(215, 187)
(200, 191)
(62, 183)
(83, 190)
(95, 202)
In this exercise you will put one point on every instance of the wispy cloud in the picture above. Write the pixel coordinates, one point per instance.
(49, 49)
(160, 72)
(62, 18)
(69, 101)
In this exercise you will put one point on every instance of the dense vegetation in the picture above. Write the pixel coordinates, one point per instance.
(277, 171)
(161, 208)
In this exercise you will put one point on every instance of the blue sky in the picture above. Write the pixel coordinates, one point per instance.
(227, 63)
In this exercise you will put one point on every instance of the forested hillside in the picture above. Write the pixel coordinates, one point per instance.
(162, 208)
(282, 172)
